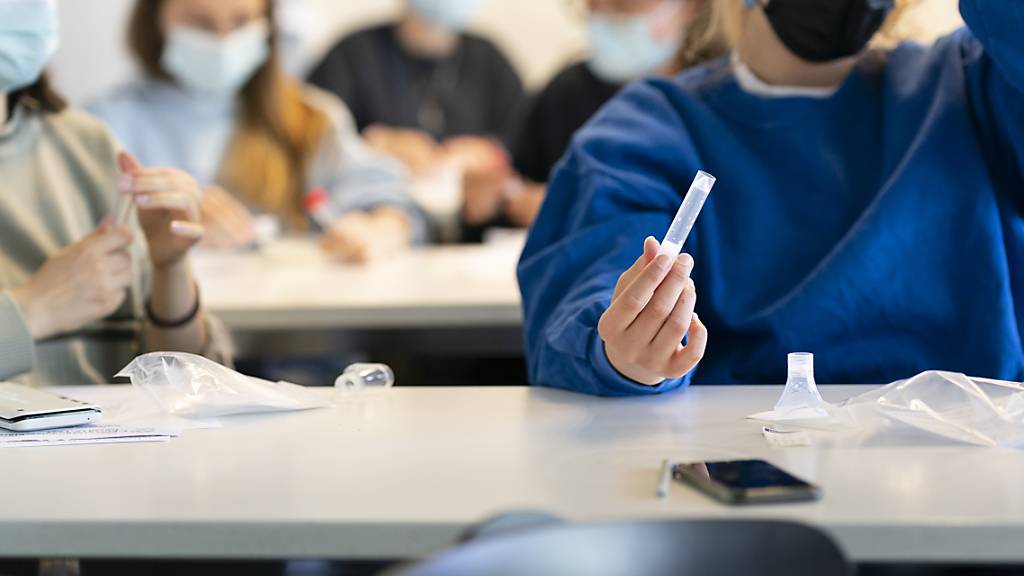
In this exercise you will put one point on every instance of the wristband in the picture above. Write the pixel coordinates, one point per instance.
(173, 324)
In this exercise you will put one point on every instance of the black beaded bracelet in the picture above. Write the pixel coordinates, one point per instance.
(172, 325)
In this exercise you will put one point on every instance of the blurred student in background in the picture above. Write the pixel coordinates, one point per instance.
(216, 102)
(868, 207)
(425, 91)
(84, 285)
(629, 39)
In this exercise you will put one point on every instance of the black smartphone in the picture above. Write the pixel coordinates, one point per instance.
(745, 482)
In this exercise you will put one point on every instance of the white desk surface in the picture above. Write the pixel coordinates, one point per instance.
(403, 474)
(290, 284)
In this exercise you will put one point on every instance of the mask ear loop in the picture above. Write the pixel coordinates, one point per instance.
(748, 4)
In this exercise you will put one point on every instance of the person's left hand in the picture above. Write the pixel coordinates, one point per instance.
(487, 171)
(477, 154)
(168, 203)
(482, 195)
(523, 205)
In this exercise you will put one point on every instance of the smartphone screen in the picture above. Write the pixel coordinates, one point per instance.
(746, 481)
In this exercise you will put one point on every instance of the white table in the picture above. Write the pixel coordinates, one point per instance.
(401, 475)
(290, 300)
(291, 285)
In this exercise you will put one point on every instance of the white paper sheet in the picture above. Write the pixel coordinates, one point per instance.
(91, 434)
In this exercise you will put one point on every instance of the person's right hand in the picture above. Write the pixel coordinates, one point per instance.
(227, 222)
(85, 282)
(417, 150)
(651, 311)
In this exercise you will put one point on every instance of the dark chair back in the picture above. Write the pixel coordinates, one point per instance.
(663, 548)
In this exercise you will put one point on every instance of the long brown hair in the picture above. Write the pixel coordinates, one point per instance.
(41, 96)
(278, 133)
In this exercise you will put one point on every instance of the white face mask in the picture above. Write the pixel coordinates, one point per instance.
(204, 62)
(454, 15)
(28, 39)
(626, 48)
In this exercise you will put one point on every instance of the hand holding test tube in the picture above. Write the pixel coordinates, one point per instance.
(652, 307)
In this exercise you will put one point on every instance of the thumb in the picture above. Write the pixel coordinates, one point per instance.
(128, 163)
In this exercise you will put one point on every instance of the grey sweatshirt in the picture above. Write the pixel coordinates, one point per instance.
(58, 181)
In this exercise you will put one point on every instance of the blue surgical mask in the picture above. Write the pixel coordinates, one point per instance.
(28, 39)
(207, 63)
(626, 48)
(454, 15)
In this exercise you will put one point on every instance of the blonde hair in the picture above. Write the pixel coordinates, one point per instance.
(724, 18)
(704, 40)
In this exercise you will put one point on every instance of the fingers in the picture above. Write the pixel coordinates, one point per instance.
(628, 305)
(151, 180)
(351, 238)
(678, 323)
(163, 201)
(222, 212)
(109, 238)
(119, 263)
(686, 358)
(118, 281)
(163, 189)
(128, 163)
(652, 310)
(159, 180)
(183, 203)
(188, 230)
(663, 303)
(348, 249)
(650, 252)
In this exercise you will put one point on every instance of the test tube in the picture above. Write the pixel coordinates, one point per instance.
(686, 217)
(121, 213)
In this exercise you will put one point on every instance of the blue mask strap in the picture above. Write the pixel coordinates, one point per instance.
(748, 4)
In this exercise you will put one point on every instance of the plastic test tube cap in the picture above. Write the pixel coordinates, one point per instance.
(362, 377)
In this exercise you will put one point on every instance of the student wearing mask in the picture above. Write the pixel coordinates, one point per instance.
(868, 209)
(81, 290)
(629, 39)
(425, 90)
(216, 102)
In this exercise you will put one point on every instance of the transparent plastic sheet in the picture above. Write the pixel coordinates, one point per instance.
(947, 405)
(194, 387)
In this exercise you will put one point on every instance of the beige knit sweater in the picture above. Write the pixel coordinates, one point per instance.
(58, 181)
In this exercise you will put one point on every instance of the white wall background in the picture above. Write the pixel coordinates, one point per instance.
(540, 36)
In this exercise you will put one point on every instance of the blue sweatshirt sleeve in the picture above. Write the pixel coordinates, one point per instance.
(993, 52)
(617, 185)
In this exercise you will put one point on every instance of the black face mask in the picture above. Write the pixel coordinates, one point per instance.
(826, 30)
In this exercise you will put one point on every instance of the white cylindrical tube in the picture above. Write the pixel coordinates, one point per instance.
(687, 215)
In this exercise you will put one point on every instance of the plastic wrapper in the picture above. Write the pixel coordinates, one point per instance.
(943, 404)
(951, 405)
(194, 387)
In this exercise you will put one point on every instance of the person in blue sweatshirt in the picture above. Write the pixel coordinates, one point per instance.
(869, 209)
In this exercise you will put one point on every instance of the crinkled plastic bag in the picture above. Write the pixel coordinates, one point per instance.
(195, 387)
(950, 405)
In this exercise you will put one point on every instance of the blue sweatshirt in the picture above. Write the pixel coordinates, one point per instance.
(880, 228)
